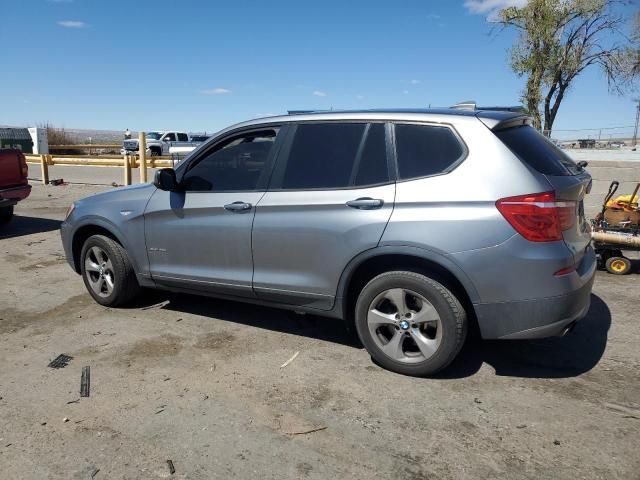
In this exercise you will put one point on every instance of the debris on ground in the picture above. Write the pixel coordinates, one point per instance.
(65, 420)
(95, 472)
(556, 442)
(85, 382)
(77, 400)
(313, 430)
(56, 181)
(290, 360)
(60, 361)
(172, 469)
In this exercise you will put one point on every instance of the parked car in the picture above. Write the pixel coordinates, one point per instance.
(160, 143)
(14, 185)
(410, 225)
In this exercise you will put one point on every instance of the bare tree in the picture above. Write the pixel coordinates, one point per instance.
(559, 39)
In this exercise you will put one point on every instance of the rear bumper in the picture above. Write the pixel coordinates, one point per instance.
(541, 317)
(11, 196)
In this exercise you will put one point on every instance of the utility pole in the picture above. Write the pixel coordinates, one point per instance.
(635, 131)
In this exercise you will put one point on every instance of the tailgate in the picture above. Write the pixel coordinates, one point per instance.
(11, 169)
(573, 188)
(569, 181)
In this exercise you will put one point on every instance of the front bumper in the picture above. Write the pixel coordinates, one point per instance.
(541, 317)
(66, 235)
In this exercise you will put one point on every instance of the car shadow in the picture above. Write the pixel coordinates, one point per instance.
(20, 226)
(555, 357)
(278, 320)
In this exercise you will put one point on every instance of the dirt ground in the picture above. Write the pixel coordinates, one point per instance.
(199, 382)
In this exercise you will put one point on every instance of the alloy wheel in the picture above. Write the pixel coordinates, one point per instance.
(404, 325)
(99, 271)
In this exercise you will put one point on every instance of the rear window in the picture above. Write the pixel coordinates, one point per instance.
(537, 151)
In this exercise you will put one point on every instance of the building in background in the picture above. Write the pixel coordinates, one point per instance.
(18, 138)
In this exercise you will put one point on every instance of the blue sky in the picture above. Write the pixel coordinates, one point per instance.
(202, 65)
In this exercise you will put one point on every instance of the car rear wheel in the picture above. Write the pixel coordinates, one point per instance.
(6, 214)
(107, 271)
(410, 323)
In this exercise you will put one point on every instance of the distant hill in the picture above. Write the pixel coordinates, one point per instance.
(97, 136)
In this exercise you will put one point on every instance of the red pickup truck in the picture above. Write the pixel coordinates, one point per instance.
(14, 185)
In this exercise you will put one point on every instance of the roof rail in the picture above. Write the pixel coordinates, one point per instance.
(468, 105)
(471, 105)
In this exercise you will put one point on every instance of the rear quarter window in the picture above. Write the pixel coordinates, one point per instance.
(537, 151)
(425, 150)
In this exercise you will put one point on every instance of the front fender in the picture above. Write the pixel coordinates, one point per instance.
(135, 247)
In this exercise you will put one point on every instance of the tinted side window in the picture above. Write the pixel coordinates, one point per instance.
(373, 167)
(537, 151)
(235, 165)
(336, 155)
(425, 150)
(171, 137)
(182, 137)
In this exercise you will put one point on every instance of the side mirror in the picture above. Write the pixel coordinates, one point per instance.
(165, 179)
(166, 139)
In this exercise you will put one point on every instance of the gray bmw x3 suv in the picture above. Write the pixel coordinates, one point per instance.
(410, 224)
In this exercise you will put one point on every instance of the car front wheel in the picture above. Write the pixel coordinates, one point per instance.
(409, 323)
(107, 271)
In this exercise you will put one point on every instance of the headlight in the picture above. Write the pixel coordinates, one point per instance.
(70, 210)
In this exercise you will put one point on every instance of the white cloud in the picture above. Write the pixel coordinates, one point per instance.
(318, 93)
(215, 91)
(491, 7)
(433, 16)
(72, 24)
(414, 82)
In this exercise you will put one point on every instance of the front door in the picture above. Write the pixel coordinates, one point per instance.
(200, 237)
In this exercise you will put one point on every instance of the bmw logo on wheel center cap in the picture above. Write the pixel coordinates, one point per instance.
(404, 325)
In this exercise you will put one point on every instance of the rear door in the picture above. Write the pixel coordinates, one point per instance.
(330, 199)
(570, 182)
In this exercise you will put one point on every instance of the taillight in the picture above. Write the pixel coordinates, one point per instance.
(24, 169)
(538, 217)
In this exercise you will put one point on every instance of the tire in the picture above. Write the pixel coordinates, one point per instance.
(389, 330)
(618, 265)
(108, 276)
(154, 152)
(6, 214)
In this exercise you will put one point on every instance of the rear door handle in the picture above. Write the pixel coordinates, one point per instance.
(366, 203)
(238, 206)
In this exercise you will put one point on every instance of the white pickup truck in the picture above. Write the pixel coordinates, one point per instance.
(162, 143)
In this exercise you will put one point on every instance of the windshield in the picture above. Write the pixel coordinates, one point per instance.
(153, 135)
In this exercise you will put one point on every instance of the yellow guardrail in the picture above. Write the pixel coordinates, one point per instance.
(127, 162)
(89, 146)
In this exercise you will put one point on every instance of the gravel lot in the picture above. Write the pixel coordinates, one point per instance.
(199, 382)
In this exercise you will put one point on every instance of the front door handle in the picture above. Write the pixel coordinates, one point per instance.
(366, 203)
(238, 206)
